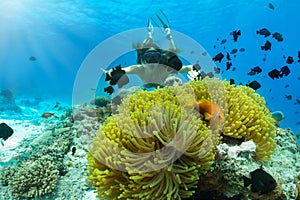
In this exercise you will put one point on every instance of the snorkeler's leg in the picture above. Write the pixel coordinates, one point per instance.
(170, 38)
(149, 39)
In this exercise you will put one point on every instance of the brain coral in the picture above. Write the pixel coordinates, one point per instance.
(157, 145)
(154, 148)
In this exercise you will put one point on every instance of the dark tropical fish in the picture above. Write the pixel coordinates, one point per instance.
(223, 41)
(255, 70)
(277, 36)
(5, 131)
(204, 53)
(284, 71)
(215, 46)
(109, 89)
(233, 51)
(264, 59)
(271, 6)
(233, 69)
(228, 56)
(274, 74)
(48, 114)
(232, 82)
(254, 85)
(286, 86)
(32, 58)
(267, 46)
(202, 74)
(196, 67)
(298, 123)
(265, 32)
(251, 73)
(192, 52)
(298, 101)
(73, 150)
(261, 182)
(217, 70)
(288, 97)
(228, 65)
(210, 74)
(218, 57)
(235, 34)
(298, 78)
(117, 76)
(242, 49)
(298, 135)
(298, 56)
(289, 60)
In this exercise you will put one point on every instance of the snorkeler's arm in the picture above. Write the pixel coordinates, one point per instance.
(186, 69)
(118, 76)
(133, 69)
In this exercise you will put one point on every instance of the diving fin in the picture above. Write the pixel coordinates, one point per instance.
(150, 26)
(160, 19)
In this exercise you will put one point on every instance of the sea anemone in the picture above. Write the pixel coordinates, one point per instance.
(153, 148)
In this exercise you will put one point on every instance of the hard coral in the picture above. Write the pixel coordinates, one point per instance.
(6, 174)
(246, 115)
(155, 147)
(34, 178)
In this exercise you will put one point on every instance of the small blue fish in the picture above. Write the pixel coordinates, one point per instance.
(278, 116)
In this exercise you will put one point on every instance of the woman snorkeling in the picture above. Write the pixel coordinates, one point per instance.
(154, 64)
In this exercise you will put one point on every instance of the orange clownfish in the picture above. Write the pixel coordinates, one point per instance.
(211, 112)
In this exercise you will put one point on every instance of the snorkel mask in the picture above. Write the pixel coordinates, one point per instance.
(151, 56)
(156, 55)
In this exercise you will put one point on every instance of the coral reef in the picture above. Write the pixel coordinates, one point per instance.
(6, 174)
(158, 145)
(34, 178)
(153, 148)
(226, 177)
(87, 120)
(101, 101)
(38, 172)
(173, 81)
(7, 102)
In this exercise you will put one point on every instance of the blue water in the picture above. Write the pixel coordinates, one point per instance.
(61, 35)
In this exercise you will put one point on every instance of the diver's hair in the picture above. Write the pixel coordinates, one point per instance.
(145, 45)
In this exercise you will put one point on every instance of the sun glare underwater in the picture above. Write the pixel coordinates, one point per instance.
(163, 81)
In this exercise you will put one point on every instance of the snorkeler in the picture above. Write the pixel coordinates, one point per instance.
(154, 64)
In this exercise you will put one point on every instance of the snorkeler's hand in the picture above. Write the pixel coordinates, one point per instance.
(192, 74)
